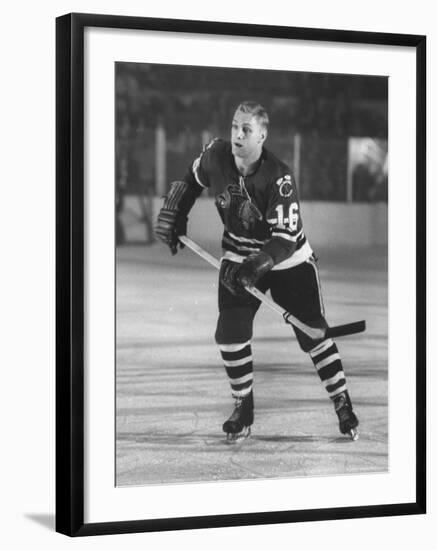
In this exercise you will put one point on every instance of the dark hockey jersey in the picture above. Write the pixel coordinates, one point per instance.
(271, 188)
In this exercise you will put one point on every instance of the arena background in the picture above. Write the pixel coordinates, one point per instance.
(171, 391)
(330, 129)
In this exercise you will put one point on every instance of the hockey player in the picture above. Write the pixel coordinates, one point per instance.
(264, 245)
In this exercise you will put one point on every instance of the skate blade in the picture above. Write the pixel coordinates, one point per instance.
(238, 437)
(354, 434)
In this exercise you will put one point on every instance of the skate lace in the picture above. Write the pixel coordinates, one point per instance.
(344, 413)
(340, 403)
(238, 405)
(343, 409)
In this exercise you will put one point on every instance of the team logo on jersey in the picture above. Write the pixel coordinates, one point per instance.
(285, 186)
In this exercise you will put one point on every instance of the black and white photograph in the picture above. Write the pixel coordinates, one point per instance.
(240, 313)
(214, 275)
(251, 296)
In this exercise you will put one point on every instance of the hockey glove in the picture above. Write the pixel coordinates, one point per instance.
(228, 277)
(169, 226)
(253, 268)
(172, 218)
(237, 276)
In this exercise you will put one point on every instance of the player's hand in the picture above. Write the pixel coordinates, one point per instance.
(253, 268)
(228, 277)
(170, 224)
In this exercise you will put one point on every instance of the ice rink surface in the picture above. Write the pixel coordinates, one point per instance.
(172, 394)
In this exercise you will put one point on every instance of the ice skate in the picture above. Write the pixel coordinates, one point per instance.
(237, 427)
(348, 422)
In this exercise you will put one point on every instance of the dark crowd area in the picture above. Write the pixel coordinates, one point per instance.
(330, 127)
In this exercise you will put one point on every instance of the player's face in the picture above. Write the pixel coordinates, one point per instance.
(247, 135)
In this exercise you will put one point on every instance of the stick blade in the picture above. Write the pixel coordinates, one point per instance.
(345, 330)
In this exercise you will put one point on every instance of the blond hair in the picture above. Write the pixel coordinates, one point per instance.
(256, 110)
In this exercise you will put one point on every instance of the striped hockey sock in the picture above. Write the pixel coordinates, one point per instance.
(327, 361)
(239, 368)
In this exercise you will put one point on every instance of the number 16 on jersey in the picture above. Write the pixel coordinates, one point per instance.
(291, 220)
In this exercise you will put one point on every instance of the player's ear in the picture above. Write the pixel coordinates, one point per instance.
(263, 135)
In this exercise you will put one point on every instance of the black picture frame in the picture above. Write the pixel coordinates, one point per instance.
(70, 289)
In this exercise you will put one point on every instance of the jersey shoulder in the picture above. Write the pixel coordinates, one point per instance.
(217, 146)
(213, 153)
(280, 180)
(206, 165)
(274, 166)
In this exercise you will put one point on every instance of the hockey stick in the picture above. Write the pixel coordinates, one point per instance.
(314, 333)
